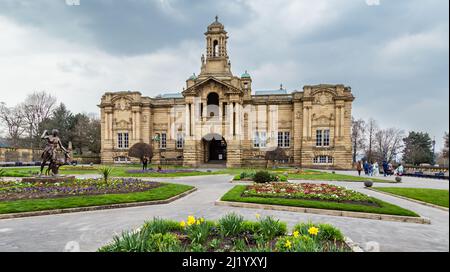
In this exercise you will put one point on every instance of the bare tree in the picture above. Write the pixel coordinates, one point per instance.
(14, 123)
(358, 136)
(37, 107)
(372, 129)
(388, 143)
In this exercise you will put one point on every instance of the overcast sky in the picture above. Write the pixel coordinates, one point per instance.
(393, 53)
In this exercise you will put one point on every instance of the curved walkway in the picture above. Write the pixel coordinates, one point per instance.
(90, 230)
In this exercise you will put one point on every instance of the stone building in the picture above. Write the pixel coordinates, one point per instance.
(217, 118)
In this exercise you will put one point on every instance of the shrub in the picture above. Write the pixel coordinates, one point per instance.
(2, 173)
(240, 245)
(237, 177)
(167, 242)
(251, 227)
(198, 233)
(262, 177)
(326, 232)
(271, 228)
(158, 225)
(231, 224)
(126, 242)
(300, 244)
(105, 171)
(247, 175)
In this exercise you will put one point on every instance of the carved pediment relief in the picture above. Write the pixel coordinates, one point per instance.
(211, 82)
(122, 104)
(122, 125)
(323, 120)
(323, 98)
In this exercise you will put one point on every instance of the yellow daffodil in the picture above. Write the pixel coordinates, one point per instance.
(198, 222)
(191, 220)
(258, 216)
(313, 231)
(183, 224)
(296, 234)
(288, 244)
(202, 220)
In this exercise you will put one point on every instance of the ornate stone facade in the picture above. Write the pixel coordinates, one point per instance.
(217, 119)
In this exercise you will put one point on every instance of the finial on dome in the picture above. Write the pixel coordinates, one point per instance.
(217, 18)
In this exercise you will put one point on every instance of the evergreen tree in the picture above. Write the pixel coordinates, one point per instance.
(418, 148)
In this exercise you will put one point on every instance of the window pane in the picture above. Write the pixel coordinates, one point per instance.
(126, 141)
(119, 140)
(263, 139)
(256, 139)
(287, 139)
(318, 137)
(163, 140)
(280, 139)
(326, 137)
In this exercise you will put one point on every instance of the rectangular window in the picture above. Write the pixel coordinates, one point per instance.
(163, 141)
(126, 142)
(284, 139)
(326, 137)
(287, 139)
(180, 140)
(318, 137)
(260, 139)
(256, 139)
(280, 139)
(119, 140)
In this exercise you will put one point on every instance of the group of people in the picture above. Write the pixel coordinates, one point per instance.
(373, 169)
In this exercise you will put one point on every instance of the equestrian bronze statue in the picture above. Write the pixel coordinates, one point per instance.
(49, 155)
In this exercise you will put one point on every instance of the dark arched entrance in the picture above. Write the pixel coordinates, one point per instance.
(215, 148)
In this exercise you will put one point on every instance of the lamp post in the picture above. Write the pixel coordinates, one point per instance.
(434, 150)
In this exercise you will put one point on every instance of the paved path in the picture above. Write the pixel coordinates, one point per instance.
(93, 229)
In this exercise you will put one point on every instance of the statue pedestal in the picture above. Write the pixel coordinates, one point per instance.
(49, 179)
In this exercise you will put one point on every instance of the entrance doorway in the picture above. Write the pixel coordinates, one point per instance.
(215, 149)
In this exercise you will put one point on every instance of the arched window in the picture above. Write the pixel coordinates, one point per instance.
(212, 102)
(215, 48)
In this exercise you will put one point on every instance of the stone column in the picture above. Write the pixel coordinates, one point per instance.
(341, 134)
(187, 122)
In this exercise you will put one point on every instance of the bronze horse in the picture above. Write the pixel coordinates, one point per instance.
(50, 152)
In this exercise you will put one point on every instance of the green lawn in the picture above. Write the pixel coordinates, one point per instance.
(118, 171)
(334, 177)
(166, 191)
(121, 171)
(433, 196)
(235, 195)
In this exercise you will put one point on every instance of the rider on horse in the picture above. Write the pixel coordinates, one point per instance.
(50, 150)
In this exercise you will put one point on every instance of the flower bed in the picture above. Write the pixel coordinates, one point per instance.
(250, 176)
(324, 192)
(231, 233)
(16, 190)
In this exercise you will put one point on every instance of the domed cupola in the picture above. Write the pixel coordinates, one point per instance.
(245, 75)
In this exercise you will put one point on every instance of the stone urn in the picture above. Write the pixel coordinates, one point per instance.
(368, 183)
(398, 179)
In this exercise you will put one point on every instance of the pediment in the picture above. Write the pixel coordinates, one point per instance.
(196, 88)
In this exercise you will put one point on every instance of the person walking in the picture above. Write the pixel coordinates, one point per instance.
(370, 169)
(366, 168)
(385, 168)
(145, 163)
(376, 169)
(359, 168)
